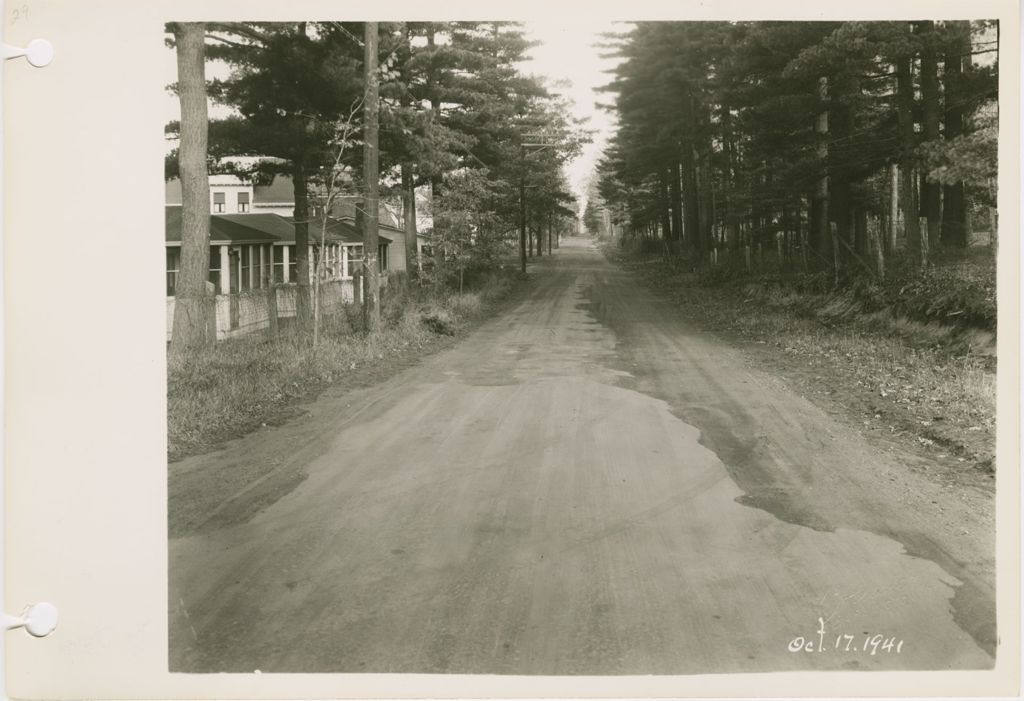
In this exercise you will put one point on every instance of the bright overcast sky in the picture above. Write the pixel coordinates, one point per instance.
(567, 52)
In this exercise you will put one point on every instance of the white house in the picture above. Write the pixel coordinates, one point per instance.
(252, 256)
(231, 195)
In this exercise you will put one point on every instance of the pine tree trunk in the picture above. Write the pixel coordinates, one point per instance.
(435, 110)
(839, 212)
(821, 238)
(954, 210)
(705, 209)
(664, 208)
(908, 186)
(302, 301)
(691, 219)
(412, 256)
(894, 205)
(930, 202)
(193, 306)
(675, 201)
(732, 217)
(522, 224)
(371, 300)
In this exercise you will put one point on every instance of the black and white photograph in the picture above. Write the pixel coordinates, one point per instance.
(592, 348)
(654, 347)
(527, 351)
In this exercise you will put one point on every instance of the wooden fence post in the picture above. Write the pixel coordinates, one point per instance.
(835, 249)
(924, 241)
(272, 309)
(210, 300)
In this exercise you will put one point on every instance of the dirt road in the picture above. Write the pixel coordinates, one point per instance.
(585, 485)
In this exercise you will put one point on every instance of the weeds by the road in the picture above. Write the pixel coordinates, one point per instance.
(241, 384)
(923, 383)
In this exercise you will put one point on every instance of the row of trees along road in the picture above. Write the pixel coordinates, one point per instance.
(832, 143)
(453, 110)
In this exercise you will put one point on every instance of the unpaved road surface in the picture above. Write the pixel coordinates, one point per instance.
(584, 485)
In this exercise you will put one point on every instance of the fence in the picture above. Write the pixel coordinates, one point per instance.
(246, 312)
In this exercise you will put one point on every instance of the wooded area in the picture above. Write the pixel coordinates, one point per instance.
(825, 146)
(455, 115)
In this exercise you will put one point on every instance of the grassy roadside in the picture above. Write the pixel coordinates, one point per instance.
(928, 387)
(241, 384)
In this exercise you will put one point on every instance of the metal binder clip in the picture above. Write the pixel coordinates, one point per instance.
(39, 620)
(39, 52)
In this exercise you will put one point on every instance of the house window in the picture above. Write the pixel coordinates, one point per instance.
(382, 257)
(355, 260)
(266, 266)
(243, 201)
(327, 254)
(292, 265)
(218, 202)
(215, 267)
(173, 265)
(278, 263)
(246, 267)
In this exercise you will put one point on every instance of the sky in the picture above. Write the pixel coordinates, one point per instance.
(567, 53)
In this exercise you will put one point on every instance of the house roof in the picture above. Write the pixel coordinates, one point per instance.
(338, 231)
(233, 228)
(261, 228)
(345, 208)
(381, 226)
(281, 190)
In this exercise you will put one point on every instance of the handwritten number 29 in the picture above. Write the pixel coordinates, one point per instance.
(19, 13)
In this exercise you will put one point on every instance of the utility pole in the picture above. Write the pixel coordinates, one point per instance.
(540, 144)
(371, 214)
(522, 208)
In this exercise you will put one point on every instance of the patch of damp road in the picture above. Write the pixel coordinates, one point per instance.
(748, 461)
(627, 507)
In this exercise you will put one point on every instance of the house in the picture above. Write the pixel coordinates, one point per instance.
(279, 196)
(230, 194)
(343, 246)
(252, 256)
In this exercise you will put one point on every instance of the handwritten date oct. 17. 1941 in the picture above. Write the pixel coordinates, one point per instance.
(825, 641)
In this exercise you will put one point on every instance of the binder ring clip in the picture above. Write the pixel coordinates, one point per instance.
(39, 52)
(39, 620)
